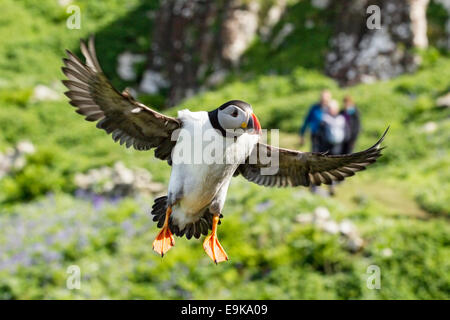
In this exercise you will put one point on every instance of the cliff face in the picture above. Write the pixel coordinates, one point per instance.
(197, 43)
(376, 44)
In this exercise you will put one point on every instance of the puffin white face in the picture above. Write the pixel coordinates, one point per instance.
(232, 117)
(235, 117)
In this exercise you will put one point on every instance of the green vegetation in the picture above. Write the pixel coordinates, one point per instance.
(400, 205)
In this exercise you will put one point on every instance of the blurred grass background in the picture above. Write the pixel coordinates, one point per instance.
(400, 205)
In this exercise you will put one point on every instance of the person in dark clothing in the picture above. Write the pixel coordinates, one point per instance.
(353, 122)
(313, 120)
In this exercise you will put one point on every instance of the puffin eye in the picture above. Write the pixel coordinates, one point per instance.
(235, 113)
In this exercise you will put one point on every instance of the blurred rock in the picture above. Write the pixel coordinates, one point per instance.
(44, 93)
(118, 181)
(443, 101)
(346, 227)
(354, 244)
(64, 3)
(217, 78)
(15, 158)
(320, 4)
(321, 213)
(125, 65)
(152, 82)
(322, 220)
(330, 227)
(284, 32)
(304, 218)
(273, 17)
(349, 231)
(418, 16)
(194, 40)
(430, 127)
(238, 31)
(25, 147)
(386, 252)
(360, 53)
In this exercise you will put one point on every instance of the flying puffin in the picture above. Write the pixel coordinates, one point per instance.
(197, 189)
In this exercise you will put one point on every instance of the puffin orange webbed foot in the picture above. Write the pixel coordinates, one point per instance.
(164, 240)
(212, 246)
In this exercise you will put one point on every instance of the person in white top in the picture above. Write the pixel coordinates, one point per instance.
(332, 129)
(332, 133)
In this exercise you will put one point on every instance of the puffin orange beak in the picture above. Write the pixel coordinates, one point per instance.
(253, 123)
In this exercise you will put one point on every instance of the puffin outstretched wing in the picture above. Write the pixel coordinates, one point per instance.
(129, 121)
(307, 168)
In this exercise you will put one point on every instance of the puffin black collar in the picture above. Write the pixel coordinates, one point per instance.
(213, 118)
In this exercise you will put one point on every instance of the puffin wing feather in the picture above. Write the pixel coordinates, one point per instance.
(129, 121)
(307, 168)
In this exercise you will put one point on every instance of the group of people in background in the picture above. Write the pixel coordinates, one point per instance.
(332, 130)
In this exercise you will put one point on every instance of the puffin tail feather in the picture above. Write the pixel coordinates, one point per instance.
(193, 229)
(159, 210)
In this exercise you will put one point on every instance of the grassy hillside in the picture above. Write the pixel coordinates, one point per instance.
(400, 206)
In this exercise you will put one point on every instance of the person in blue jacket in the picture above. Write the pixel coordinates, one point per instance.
(313, 120)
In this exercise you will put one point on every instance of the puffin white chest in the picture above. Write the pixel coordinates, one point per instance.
(197, 178)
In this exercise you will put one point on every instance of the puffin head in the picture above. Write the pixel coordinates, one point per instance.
(235, 116)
